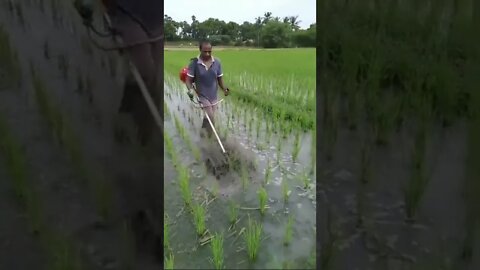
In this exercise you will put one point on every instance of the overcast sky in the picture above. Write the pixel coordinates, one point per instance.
(242, 10)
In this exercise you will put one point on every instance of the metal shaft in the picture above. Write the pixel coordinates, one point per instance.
(215, 132)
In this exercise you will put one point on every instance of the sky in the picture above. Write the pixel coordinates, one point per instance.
(241, 10)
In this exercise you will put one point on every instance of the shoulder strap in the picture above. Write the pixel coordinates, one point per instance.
(195, 61)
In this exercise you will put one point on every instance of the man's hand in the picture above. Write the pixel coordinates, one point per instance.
(85, 9)
(226, 91)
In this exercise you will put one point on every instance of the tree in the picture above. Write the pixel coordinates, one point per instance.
(275, 34)
(306, 38)
(170, 28)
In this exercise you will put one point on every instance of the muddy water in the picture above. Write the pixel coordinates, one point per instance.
(301, 204)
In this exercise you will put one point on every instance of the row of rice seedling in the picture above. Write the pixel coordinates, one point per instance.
(61, 254)
(186, 138)
(419, 85)
(64, 134)
(9, 62)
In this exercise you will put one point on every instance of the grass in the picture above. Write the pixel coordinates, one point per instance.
(262, 199)
(217, 251)
(252, 237)
(199, 218)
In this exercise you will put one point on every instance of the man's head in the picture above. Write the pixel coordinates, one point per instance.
(205, 50)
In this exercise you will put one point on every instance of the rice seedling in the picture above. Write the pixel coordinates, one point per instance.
(296, 147)
(233, 212)
(217, 251)
(166, 232)
(16, 163)
(279, 149)
(257, 129)
(268, 173)
(417, 183)
(285, 190)
(288, 231)
(170, 148)
(199, 218)
(128, 246)
(46, 50)
(9, 61)
(62, 254)
(313, 152)
(184, 182)
(244, 176)
(169, 261)
(252, 237)
(19, 12)
(262, 199)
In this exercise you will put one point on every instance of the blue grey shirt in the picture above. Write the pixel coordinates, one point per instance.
(206, 80)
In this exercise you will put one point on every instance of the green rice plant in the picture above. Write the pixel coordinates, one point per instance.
(305, 178)
(418, 182)
(169, 261)
(166, 232)
(170, 148)
(233, 212)
(288, 231)
(46, 50)
(9, 61)
(16, 163)
(217, 251)
(268, 173)
(199, 218)
(127, 246)
(63, 65)
(313, 152)
(252, 237)
(61, 251)
(365, 161)
(215, 188)
(279, 149)
(262, 199)
(184, 182)
(296, 147)
(285, 191)
(244, 176)
(257, 129)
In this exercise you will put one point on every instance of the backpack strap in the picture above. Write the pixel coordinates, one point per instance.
(195, 61)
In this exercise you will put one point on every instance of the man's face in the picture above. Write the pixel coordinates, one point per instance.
(206, 51)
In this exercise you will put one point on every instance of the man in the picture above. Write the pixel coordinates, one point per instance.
(136, 22)
(206, 72)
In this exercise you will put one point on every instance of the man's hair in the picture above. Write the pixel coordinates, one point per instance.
(203, 42)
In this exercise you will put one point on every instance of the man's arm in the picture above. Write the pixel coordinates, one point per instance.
(220, 80)
(221, 84)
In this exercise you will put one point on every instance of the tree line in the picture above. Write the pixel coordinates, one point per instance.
(267, 32)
